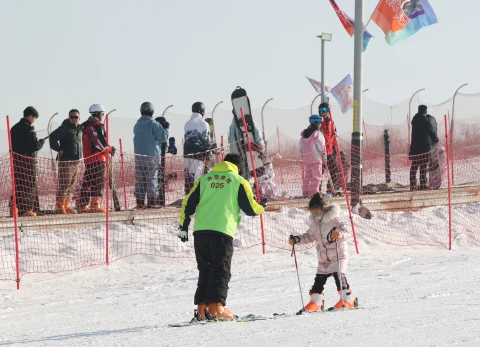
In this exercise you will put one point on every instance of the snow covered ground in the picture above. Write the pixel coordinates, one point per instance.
(420, 296)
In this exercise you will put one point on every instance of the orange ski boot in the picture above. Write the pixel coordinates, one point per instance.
(316, 303)
(217, 310)
(347, 300)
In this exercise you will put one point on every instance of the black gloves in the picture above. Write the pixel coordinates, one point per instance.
(264, 202)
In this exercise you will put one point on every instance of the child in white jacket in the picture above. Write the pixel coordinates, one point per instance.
(328, 233)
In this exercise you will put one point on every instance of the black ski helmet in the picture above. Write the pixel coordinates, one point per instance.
(198, 107)
(147, 109)
(324, 105)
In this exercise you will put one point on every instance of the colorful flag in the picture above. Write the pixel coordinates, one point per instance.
(349, 24)
(318, 86)
(343, 93)
(400, 19)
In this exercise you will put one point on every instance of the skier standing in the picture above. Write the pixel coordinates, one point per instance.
(312, 148)
(197, 144)
(148, 137)
(95, 154)
(67, 141)
(329, 132)
(24, 147)
(328, 233)
(216, 198)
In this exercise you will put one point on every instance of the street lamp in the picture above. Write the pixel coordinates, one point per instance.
(165, 110)
(324, 37)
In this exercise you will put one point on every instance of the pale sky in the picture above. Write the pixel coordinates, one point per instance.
(62, 54)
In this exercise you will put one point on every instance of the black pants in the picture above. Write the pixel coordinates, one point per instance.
(320, 281)
(419, 162)
(93, 182)
(25, 177)
(213, 251)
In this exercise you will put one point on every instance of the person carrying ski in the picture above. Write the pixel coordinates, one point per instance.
(328, 233)
(216, 200)
(196, 146)
(329, 132)
(95, 154)
(314, 155)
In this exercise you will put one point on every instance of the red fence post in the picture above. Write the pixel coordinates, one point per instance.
(107, 198)
(254, 176)
(123, 175)
(14, 204)
(451, 148)
(346, 194)
(447, 149)
(408, 125)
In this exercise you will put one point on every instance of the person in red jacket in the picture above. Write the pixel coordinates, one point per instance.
(95, 154)
(329, 132)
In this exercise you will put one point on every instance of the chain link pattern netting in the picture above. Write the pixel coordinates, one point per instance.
(52, 242)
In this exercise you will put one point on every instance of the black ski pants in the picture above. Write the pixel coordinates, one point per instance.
(93, 182)
(334, 169)
(25, 177)
(419, 163)
(213, 251)
(321, 280)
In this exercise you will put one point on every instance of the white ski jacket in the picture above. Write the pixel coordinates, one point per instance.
(197, 135)
(326, 251)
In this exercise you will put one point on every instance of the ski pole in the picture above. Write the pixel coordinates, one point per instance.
(298, 276)
(339, 274)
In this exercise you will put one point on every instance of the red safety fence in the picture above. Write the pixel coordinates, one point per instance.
(139, 220)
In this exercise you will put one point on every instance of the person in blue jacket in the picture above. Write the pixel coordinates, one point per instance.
(148, 137)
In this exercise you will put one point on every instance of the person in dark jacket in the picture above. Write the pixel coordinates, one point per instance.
(95, 154)
(67, 141)
(25, 146)
(423, 135)
(434, 174)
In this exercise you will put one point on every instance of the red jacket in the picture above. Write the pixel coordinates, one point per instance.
(95, 147)
(328, 130)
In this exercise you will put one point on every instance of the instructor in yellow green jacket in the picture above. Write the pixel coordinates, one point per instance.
(217, 197)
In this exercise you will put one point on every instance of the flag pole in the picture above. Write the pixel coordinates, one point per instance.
(357, 135)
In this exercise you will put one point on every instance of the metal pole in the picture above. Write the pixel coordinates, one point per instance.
(165, 110)
(322, 81)
(410, 103)
(263, 123)
(357, 105)
(313, 101)
(213, 112)
(451, 130)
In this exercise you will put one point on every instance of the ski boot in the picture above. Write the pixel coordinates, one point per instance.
(216, 310)
(66, 206)
(199, 313)
(316, 303)
(60, 206)
(95, 205)
(347, 300)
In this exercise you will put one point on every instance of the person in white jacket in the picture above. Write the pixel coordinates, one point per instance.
(314, 155)
(196, 147)
(328, 233)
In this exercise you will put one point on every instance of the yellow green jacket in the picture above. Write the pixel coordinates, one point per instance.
(216, 200)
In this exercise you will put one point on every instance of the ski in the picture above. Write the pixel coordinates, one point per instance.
(243, 319)
(113, 187)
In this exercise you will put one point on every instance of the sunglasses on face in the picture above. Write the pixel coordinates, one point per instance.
(74, 117)
(324, 110)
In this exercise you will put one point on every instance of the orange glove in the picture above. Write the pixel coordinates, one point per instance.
(336, 234)
(293, 240)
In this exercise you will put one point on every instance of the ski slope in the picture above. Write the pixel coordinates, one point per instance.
(418, 296)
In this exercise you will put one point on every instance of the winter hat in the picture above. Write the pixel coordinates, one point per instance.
(163, 122)
(30, 111)
(147, 109)
(422, 109)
